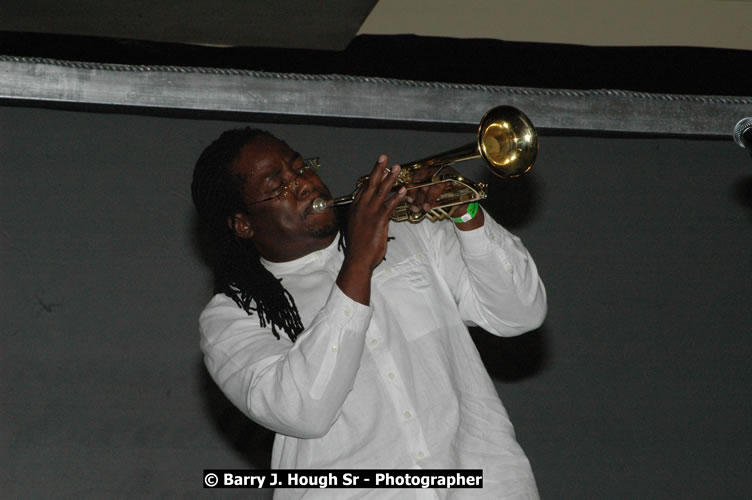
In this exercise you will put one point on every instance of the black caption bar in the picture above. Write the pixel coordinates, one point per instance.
(339, 478)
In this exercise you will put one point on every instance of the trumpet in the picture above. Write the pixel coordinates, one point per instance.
(506, 140)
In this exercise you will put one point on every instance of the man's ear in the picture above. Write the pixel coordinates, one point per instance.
(240, 225)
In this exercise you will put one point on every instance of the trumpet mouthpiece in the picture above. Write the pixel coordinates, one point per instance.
(319, 205)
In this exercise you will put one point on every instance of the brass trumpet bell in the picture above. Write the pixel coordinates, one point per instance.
(506, 141)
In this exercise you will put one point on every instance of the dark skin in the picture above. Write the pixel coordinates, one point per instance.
(285, 228)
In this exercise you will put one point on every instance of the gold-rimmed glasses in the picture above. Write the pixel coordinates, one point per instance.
(282, 190)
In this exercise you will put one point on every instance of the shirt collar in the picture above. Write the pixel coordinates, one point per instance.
(314, 259)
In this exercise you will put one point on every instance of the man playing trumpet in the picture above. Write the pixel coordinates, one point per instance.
(349, 339)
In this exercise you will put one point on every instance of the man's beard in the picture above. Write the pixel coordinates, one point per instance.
(318, 230)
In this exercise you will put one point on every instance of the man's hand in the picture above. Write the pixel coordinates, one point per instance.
(426, 198)
(367, 230)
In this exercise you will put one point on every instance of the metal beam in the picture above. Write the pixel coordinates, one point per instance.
(362, 98)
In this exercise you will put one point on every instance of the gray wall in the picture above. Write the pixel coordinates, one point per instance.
(637, 386)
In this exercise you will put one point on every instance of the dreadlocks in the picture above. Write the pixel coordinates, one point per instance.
(238, 272)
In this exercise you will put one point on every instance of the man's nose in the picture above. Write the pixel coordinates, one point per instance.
(302, 186)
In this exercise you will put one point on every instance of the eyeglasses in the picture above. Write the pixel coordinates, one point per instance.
(283, 189)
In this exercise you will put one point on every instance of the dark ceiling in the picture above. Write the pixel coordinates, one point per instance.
(291, 36)
(326, 25)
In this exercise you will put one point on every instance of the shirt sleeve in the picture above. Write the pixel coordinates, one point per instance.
(492, 276)
(294, 389)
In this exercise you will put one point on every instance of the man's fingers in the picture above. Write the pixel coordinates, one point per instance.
(378, 170)
(425, 198)
(375, 177)
(432, 196)
(388, 182)
(391, 204)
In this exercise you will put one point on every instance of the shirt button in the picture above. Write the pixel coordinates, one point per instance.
(347, 312)
(406, 414)
(391, 376)
(335, 348)
(373, 341)
(420, 454)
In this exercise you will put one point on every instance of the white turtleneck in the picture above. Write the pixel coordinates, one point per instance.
(395, 384)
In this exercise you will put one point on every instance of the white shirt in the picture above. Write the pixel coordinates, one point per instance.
(398, 384)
